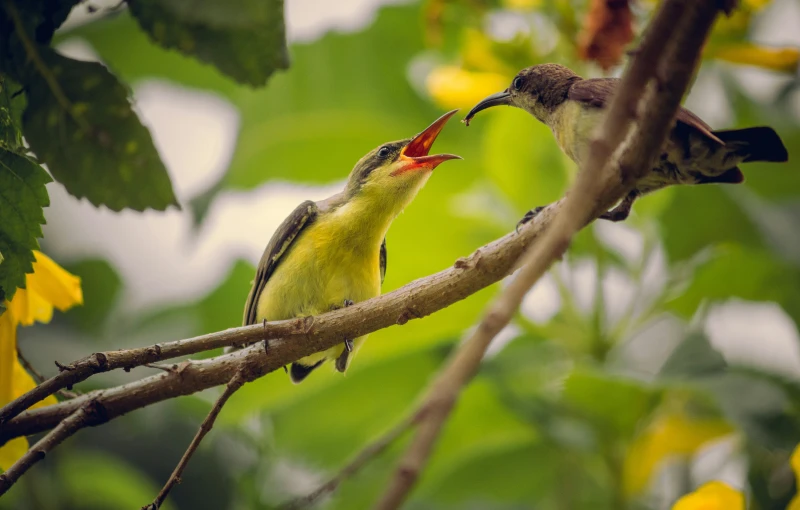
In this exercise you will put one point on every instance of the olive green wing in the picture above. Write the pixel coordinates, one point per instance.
(597, 92)
(303, 216)
(383, 260)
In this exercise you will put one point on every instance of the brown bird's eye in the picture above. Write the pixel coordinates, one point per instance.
(517, 83)
(384, 152)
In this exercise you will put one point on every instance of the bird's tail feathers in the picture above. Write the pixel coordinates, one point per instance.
(298, 371)
(755, 144)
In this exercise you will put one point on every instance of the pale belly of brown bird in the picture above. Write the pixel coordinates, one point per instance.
(687, 157)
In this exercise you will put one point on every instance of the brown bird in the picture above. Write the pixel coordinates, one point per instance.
(693, 154)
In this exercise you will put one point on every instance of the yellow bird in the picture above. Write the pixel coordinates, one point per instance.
(332, 253)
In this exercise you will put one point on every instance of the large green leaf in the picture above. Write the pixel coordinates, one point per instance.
(22, 197)
(79, 122)
(736, 271)
(245, 39)
(613, 403)
(11, 105)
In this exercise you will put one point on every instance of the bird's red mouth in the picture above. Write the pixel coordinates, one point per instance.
(414, 156)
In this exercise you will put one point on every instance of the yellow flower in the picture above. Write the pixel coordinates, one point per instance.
(48, 286)
(776, 59)
(711, 496)
(453, 87)
(794, 504)
(522, 4)
(669, 435)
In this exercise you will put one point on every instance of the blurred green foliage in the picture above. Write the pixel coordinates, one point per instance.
(76, 116)
(554, 418)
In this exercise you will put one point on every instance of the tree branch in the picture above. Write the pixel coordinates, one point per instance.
(600, 183)
(234, 384)
(290, 340)
(71, 424)
(307, 335)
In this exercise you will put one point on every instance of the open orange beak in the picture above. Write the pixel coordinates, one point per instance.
(414, 156)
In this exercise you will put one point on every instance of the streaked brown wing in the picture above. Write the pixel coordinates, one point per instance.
(303, 216)
(383, 260)
(597, 92)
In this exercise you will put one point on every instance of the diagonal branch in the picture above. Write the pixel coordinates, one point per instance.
(600, 182)
(234, 384)
(71, 424)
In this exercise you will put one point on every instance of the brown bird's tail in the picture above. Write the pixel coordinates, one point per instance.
(755, 144)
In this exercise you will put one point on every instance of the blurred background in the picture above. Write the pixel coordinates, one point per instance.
(660, 354)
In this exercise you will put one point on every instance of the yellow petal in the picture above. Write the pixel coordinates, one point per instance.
(23, 383)
(794, 504)
(28, 307)
(453, 87)
(669, 435)
(54, 283)
(711, 496)
(522, 4)
(48, 286)
(777, 59)
(12, 451)
(8, 354)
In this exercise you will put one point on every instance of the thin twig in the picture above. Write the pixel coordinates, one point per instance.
(367, 454)
(88, 414)
(39, 378)
(589, 197)
(234, 384)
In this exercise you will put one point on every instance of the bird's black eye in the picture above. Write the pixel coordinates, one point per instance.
(384, 152)
(518, 83)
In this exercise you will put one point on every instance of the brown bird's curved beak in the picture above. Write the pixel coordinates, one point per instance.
(415, 154)
(501, 98)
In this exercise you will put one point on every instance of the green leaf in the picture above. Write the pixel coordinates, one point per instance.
(615, 404)
(693, 357)
(79, 122)
(737, 271)
(22, 197)
(244, 39)
(757, 406)
(10, 112)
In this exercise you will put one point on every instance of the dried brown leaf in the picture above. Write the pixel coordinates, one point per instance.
(607, 29)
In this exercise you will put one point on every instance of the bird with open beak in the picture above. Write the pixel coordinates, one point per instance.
(332, 253)
(573, 107)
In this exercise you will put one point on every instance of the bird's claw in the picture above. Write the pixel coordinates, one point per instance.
(528, 217)
(348, 345)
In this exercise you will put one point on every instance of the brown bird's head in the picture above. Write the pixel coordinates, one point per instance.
(537, 89)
